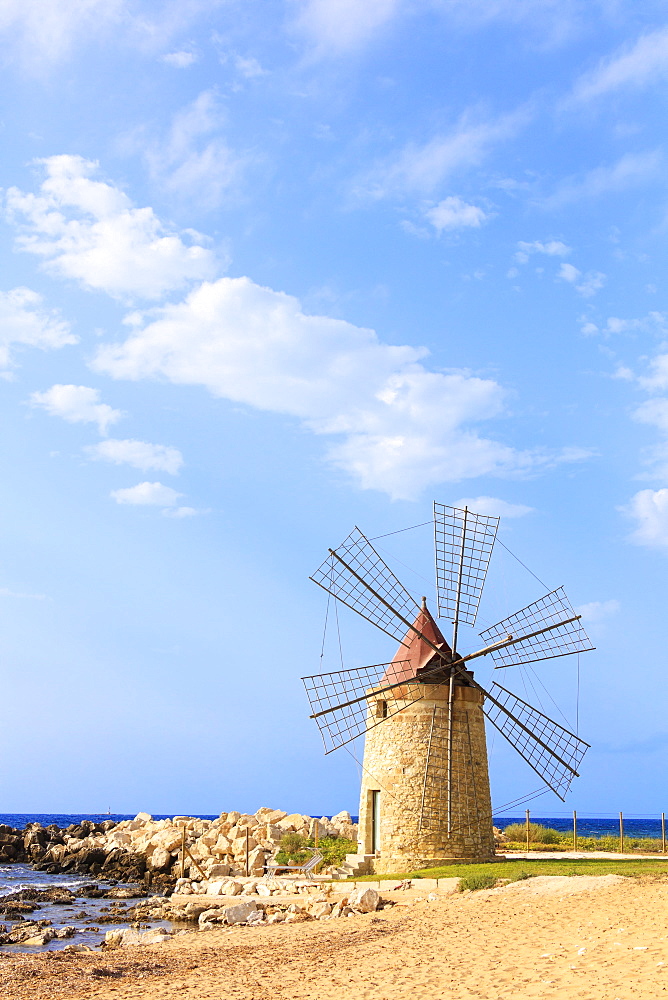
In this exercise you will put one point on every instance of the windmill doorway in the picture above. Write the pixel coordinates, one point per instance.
(375, 822)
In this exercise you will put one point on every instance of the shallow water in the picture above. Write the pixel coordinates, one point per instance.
(17, 876)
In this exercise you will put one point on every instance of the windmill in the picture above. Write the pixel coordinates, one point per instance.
(425, 796)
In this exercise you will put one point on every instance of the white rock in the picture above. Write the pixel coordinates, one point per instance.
(231, 888)
(320, 910)
(256, 917)
(160, 859)
(157, 935)
(342, 818)
(240, 912)
(143, 818)
(364, 900)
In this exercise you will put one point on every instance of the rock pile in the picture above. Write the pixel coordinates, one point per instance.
(250, 912)
(135, 849)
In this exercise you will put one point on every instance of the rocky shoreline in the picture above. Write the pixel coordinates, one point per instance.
(144, 850)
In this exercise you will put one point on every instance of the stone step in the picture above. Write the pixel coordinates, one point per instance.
(357, 864)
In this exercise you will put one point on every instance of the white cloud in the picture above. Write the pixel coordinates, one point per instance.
(553, 248)
(77, 404)
(179, 60)
(423, 168)
(89, 230)
(454, 213)
(641, 65)
(591, 282)
(249, 67)
(194, 161)
(597, 611)
(654, 412)
(24, 322)
(630, 170)
(147, 494)
(569, 273)
(655, 323)
(494, 506)
(649, 509)
(657, 380)
(180, 512)
(339, 26)
(42, 31)
(139, 454)
(400, 426)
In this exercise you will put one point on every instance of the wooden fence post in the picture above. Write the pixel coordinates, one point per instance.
(621, 833)
(247, 872)
(663, 833)
(527, 822)
(575, 830)
(183, 851)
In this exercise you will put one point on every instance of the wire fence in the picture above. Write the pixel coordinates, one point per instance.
(613, 831)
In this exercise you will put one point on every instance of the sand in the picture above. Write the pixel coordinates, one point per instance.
(597, 938)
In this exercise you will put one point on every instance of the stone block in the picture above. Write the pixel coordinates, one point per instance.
(240, 912)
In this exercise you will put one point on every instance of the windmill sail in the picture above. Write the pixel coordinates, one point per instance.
(357, 576)
(552, 751)
(464, 542)
(347, 703)
(551, 627)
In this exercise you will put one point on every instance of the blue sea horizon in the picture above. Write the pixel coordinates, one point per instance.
(588, 826)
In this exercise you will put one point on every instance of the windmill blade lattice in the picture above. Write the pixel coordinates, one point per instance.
(464, 542)
(356, 575)
(344, 708)
(552, 751)
(566, 635)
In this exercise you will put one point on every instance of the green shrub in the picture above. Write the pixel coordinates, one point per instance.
(333, 849)
(476, 881)
(517, 832)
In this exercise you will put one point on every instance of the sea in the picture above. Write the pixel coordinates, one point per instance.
(593, 826)
(588, 826)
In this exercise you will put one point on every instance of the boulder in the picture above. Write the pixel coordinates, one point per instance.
(194, 908)
(240, 912)
(160, 860)
(256, 860)
(320, 909)
(364, 900)
(218, 871)
(342, 819)
(143, 818)
(232, 888)
(157, 935)
(293, 822)
(255, 918)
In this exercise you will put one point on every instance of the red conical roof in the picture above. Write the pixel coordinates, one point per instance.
(415, 653)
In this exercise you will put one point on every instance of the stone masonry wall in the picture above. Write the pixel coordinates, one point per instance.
(414, 811)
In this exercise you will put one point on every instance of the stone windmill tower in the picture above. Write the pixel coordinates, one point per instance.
(425, 798)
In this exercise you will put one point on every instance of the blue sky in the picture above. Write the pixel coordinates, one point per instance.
(273, 269)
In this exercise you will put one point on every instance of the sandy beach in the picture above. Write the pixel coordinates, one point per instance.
(598, 938)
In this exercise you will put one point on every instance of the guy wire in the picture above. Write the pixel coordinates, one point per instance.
(522, 564)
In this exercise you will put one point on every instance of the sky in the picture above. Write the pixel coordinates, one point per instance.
(274, 269)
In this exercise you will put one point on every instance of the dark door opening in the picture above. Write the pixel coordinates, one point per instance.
(375, 822)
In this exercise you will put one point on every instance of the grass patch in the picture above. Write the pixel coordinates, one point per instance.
(521, 868)
(471, 883)
(517, 832)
